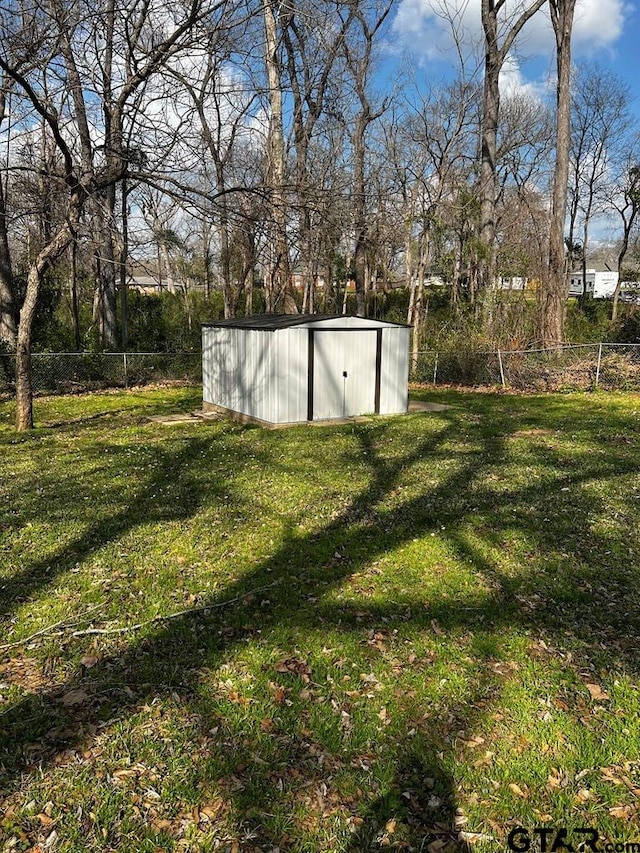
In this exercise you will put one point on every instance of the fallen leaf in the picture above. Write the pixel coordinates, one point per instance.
(517, 790)
(74, 697)
(52, 841)
(210, 811)
(597, 693)
(294, 666)
(622, 812)
(279, 692)
(557, 779)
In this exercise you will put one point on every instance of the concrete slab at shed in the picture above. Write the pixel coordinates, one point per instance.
(177, 418)
(420, 406)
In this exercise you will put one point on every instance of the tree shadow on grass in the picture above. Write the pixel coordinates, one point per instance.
(160, 484)
(314, 566)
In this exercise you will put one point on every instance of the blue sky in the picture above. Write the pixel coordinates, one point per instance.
(607, 31)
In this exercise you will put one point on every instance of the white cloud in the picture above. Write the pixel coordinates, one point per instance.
(425, 23)
(599, 24)
(513, 82)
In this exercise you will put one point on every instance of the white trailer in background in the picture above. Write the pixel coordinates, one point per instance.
(600, 284)
(282, 369)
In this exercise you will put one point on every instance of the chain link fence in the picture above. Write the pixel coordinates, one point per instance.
(69, 372)
(572, 367)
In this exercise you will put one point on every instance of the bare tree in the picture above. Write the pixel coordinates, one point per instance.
(278, 284)
(599, 124)
(624, 199)
(312, 50)
(553, 293)
(359, 57)
(7, 289)
(500, 34)
(42, 51)
(221, 112)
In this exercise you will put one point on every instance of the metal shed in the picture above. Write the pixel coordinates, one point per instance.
(294, 368)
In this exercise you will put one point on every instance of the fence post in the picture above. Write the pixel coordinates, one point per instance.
(126, 378)
(504, 384)
(595, 384)
(435, 369)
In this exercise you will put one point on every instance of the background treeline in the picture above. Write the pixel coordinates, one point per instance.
(170, 322)
(255, 157)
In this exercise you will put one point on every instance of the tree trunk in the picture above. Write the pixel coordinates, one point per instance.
(105, 284)
(124, 257)
(280, 269)
(7, 290)
(73, 294)
(495, 56)
(408, 271)
(491, 110)
(554, 289)
(360, 216)
(7, 287)
(46, 257)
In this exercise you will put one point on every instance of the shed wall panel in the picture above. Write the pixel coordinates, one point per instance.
(236, 370)
(217, 355)
(337, 353)
(394, 377)
(254, 385)
(290, 361)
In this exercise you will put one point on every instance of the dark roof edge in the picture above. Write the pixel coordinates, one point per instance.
(273, 322)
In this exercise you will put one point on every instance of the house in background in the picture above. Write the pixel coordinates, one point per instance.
(601, 283)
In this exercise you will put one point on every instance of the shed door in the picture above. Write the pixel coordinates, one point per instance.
(344, 373)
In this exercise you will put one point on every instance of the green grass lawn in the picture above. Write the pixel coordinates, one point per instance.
(412, 633)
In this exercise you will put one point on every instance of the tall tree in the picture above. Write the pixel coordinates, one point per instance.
(44, 51)
(7, 289)
(599, 123)
(221, 113)
(624, 199)
(278, 287)
(500, 32)
(554, 290)
(311, 57)
(359, 57)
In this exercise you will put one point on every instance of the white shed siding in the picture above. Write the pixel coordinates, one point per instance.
(291, 352)
(338, 352)
(394, 377)
(216, 359)
(251, 357)
(237, 370)
(263, 370)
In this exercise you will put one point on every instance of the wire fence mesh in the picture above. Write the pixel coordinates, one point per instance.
(64, 373)
(572, 367)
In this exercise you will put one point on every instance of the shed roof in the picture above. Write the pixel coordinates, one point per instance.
(273, 322)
